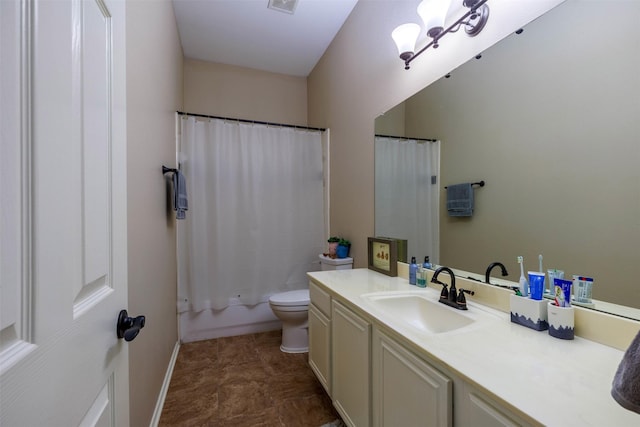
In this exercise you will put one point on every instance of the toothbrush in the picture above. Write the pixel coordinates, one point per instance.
(540, 261)
(544, 288)
(524, 285)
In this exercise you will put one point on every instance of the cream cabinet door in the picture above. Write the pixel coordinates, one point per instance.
(481, 410)
(64, 248)
(320, 346)
(407, 391)
(350, 373)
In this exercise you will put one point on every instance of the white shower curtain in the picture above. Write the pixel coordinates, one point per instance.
(255, 223)
(406, 199)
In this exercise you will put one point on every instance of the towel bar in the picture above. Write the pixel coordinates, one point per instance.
(166, 169)
(480, 183)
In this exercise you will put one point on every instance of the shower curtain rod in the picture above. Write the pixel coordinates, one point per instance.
(406, 138)
(182, 113)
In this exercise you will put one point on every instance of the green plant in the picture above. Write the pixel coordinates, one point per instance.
(344, 242)
(333, 239)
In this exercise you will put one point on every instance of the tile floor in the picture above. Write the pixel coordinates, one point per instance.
(244, 381)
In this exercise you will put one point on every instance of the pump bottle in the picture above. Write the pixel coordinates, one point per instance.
(426, 263)
(413, 269)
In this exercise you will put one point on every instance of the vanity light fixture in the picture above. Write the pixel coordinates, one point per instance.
(433, 14)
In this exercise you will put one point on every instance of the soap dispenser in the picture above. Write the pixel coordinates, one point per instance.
(413, 269)
(426, 263)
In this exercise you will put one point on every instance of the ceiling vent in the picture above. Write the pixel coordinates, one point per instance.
(286, 6)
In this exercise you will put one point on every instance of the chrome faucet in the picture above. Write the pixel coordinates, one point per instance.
(451, 297)
(494, 264)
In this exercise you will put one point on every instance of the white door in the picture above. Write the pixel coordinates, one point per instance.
(63, 193)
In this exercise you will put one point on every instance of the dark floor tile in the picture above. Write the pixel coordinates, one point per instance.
(189, 410)
(242, 373)
(268, 418)
(189, 382)
(276, 362)
(244, 381)
(247, 398)
(195, 352)
(293, 385)
(311, 411)
(236, 350)
(269, 338)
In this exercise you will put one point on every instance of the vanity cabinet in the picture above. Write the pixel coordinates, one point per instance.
(320, 346)
(320, 335)
(350, 367)
(381, 371)
(477, 408)
(407, 390)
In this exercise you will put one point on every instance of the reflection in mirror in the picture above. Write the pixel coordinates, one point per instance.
(550, 120)
(407, 193)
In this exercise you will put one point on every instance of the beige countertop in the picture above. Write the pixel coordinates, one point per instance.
(556, 382)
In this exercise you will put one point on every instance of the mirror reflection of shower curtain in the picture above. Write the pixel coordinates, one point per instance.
(255, 223)
(406, 201)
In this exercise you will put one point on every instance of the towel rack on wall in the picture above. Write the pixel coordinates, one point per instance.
(479, 183)
(166, 170)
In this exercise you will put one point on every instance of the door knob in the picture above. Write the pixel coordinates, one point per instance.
(129, 327)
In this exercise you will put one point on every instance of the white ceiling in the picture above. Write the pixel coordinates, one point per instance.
(248, 34)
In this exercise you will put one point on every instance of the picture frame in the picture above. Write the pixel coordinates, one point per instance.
(383, 255)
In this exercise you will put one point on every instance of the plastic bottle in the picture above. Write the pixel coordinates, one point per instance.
(413, 269)
(426, 263)
(421, 278)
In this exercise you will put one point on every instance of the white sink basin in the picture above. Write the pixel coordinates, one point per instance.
(418, 310)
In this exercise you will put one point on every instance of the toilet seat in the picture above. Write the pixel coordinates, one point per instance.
(298, 298)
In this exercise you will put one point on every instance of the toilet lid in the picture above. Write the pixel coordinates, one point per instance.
(290, 298)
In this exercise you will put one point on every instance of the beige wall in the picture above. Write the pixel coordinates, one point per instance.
(154, 93)
(360, 77)
(392, 122)
(554, 132)
(243, 93)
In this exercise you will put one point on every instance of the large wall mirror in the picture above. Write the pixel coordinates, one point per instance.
(550, 119)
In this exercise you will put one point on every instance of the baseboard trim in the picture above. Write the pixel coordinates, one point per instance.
(165, 387)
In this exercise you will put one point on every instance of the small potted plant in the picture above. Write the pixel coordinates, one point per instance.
(333, 246)
(343, 248)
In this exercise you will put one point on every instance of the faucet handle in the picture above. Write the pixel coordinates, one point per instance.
(462, 300)
(444, 294)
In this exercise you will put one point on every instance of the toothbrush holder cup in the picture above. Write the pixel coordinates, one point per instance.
(561, 321)
(529, 312)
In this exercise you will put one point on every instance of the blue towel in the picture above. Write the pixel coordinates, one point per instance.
(460, 200)
(180, 203)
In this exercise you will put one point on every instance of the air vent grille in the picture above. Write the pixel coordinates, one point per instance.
(286, 6)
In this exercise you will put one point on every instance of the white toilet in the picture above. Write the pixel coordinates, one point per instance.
(292, 308)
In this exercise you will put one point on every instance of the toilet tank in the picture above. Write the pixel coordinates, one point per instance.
(327, 263)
